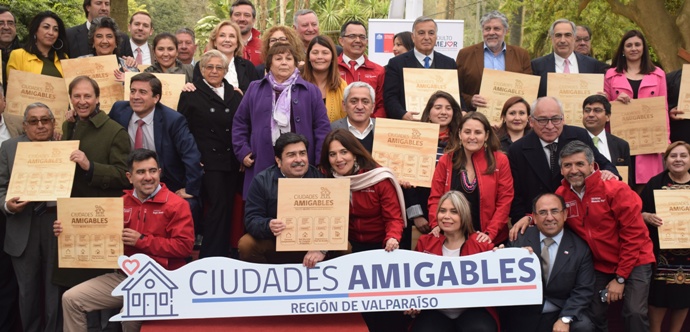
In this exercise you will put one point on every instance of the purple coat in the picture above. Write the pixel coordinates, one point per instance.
(251, 128)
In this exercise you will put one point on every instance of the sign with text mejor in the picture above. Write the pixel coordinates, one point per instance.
(642, 123)
(421, 83)
(408, 148)
(571, 90)
(366, 281)
(316, 214)
(499, 86)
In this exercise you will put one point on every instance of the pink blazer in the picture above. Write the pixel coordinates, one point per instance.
(653, 85)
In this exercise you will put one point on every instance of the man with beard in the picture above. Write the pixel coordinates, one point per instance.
(260, 212)
(243, 13)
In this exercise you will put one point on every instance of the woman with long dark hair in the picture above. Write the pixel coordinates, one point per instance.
(321, 69)
(46, 45)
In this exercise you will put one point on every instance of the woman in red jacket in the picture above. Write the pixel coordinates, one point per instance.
(457, 238)
(376, 207)
(476, 168)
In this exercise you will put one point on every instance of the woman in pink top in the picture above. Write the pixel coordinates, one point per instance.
(634, 76)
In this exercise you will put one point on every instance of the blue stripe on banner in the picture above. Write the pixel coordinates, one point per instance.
(379, 43)
(270, 298)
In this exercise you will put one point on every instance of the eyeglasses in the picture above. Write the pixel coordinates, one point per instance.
(353, 37)
(595, 110)
(212, 67)
(279, 39)
(580, 39)
(43, 121)
(556, 120)
(7, 23)
(553, 212)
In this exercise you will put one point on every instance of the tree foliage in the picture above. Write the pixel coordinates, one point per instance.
(70, 11)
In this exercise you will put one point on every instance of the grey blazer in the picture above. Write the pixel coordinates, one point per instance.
(18, 225)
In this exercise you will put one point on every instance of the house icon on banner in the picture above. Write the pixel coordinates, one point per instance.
(149, 293)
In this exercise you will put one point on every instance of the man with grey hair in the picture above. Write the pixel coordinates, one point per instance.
(358, 103)
(306, 25)
(606, 214)
(563, 59)
(491, 53)
(424, 31)
(533, 158)
(583, 40)
(28, 238)
(186, 45)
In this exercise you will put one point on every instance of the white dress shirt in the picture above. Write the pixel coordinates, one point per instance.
(145, 52)
(149, 142)
(560, 65)
(603, 145)
(420, 57)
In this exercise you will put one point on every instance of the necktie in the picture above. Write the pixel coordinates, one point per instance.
(553, 158)
(139, 136)
(427, 62)
(595, 139)
(40, 208)
(140, 56)
(566, 66)
(352, 63)
(546, 258)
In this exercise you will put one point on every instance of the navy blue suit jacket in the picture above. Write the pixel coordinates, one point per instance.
(178, 154)
(394, 85)
(547, 64)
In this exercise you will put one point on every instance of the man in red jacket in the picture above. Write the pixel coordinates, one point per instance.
(243, 13)
(607, 215)
(160, 226)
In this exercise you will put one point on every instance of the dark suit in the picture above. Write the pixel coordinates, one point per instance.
(531, 171)
(547, 64)
(246, 73)
(394, 85)
(470, 62)
(570, 285)
(178, 154)
(78, 40)
(367, 142)
(30, 242)
(125, 49)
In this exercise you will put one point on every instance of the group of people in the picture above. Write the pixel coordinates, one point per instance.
(289, 103)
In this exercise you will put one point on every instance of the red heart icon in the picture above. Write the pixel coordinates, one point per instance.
(130, 266)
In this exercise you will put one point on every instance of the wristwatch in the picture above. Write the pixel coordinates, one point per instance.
(566, 320)
(620, 279)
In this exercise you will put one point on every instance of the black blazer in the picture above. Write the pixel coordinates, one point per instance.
(210, 121)
(571, 282)
(394, 86)
(619, 150)
(547, 64)
(246, 73)
(531, 171)
(78, 39)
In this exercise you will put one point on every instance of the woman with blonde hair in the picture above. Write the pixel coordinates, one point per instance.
(280, 34)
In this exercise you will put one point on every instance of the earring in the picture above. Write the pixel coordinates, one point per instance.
(61, 44)
(355, 169)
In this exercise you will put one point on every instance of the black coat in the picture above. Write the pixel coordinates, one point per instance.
(547, 64)
(210, 121)
(246, 72)
(531, 171)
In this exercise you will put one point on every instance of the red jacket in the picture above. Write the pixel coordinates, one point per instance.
(495, 192)
(166, 222)
(370, 73)
(252, 51)
(609, 219)
(375, 214)
(430, 244)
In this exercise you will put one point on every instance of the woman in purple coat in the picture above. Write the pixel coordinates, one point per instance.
(280, 102)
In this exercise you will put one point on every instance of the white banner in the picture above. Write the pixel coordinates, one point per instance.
(366, 281)
(381, 32)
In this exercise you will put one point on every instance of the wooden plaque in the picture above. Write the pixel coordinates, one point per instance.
(498, 86)
(684, 93)
(25, 88)
(101, 69)
(172, 87)
(642, 123)
(421, 83)
(408, 148)
(42, 171)
(571, 90)
(316, 213)
(673, 207)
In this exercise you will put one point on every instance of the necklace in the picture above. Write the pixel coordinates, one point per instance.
(467, 185)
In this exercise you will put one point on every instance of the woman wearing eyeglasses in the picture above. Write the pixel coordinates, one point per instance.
(634, 76)
(477, 168)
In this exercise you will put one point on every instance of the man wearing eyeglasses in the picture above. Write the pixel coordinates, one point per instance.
(28, 237)
(8, 39)
(564, 59)
(596, 112)
(606, 214)
(583, 40)
(354, 66)
(567, 272)
(534, 158)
